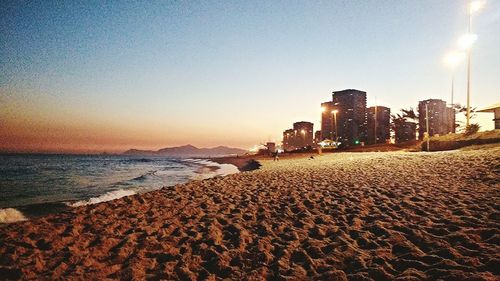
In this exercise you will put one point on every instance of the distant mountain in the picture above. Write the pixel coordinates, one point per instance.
(188, 151)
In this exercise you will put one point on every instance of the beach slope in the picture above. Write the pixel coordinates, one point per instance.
(356, 216)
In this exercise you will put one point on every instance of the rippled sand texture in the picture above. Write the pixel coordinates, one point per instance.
(356, 216)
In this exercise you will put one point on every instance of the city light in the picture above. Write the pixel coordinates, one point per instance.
(454, 58)
(476, 6)
(466, 41)
(335, 111)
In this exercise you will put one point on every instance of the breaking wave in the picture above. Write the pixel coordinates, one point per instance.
(144, 176)
(108, 196)
(9, 215)
(209, 169)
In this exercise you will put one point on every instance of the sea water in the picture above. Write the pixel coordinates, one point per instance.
(34, 185)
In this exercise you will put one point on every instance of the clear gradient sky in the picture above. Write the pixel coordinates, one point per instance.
(108, 76)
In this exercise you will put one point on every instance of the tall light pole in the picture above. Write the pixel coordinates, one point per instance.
(452, 59)
(467, 41)
(336, 132)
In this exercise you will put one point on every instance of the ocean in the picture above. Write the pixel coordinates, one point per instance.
(33, 185)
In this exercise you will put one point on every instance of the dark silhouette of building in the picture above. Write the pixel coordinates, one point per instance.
(405, 131)
(304, 133)
(351, 116)
(288, 140)
(441, 118)
(379, 124)
(271, 147)
(317, 137)
(301, 136)
(327, 120)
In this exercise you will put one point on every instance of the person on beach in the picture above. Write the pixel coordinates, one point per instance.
(276, 155)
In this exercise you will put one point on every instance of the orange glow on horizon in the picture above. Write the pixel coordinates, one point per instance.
(29, 126)
(65, 139)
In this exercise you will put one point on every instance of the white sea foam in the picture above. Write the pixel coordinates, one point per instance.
(9, 215)
(206, 173)
(203, 173)
(227, 169)
(108, 196)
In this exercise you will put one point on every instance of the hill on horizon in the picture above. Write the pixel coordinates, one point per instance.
(188, 151)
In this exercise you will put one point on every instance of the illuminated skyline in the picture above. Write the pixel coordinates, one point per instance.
(98, 76)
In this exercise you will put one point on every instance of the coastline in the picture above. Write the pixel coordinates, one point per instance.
(243, 163)
(200, 168)
(356, 216)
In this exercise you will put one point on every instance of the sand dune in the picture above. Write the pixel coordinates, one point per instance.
(365, 216)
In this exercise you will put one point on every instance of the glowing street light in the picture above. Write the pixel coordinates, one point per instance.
(466, 42)
(334, 112)
(303, 133)
(452, 59)
(475, 6)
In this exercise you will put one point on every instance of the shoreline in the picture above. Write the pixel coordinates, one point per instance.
(356, 216)
(243, 163)
(9, 214)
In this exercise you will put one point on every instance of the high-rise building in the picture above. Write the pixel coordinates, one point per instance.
(304, 134)
(441, 118)
(271, 147)
(301, 136)
(351, 116)
(450, 115)
(405, 131)
(379, 124)
(288, 140)
(317, 137)
(327, 120)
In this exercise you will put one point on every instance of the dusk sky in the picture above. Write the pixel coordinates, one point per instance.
(108, 76)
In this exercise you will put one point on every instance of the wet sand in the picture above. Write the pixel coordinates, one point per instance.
(355, 216)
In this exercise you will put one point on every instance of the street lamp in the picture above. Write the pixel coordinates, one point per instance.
(336, 133)
(475, 6)
(466, 42)
(452, 59)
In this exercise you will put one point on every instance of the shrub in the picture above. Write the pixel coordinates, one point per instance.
(471, 129)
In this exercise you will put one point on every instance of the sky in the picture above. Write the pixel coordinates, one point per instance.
(94, 76)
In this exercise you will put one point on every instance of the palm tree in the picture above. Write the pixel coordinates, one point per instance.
(410, 114)
(463, 109)
(397, 120)
(398, 126)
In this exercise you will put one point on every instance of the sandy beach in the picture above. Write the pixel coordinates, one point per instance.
(341, 216)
